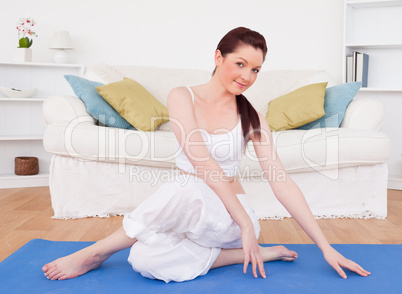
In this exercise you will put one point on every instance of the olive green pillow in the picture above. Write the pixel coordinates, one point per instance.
(133, 102)
(296, 108)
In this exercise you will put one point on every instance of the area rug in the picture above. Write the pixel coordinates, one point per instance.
(21, 273)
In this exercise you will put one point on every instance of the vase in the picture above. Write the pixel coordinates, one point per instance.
(22, 55)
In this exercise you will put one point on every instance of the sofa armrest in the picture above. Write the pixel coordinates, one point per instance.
(364, 114)
(65, 108)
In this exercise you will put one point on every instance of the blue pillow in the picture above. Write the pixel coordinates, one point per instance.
(96, 106)
(336, 101)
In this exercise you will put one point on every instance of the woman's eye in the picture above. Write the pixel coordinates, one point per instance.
(256, 70)
(240, 64)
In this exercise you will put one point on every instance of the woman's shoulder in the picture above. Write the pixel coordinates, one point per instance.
(179, 100)
(179, 93)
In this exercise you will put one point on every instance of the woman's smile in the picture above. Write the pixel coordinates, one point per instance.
(240, 84)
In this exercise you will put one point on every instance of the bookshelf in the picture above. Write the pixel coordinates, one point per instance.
(21, 123)
(374, 28)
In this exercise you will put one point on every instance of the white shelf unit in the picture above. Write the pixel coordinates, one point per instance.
(21, 137)
(373, 3)
(381, 90)
(374, 46)
(23, 99)
(374, 28)
(21, 122)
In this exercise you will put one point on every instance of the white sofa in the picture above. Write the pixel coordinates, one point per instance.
(102, 171)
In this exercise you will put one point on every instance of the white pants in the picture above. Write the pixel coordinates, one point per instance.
(181, 229)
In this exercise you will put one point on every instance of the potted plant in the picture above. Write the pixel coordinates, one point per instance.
(23, 52)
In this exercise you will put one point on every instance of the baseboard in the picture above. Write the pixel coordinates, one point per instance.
(13, 181)
(395, 182)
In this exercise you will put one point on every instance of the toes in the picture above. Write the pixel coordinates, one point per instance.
(63, 277)
(49, 266)
(289, 258)
(54, 275)
(59, 276)
(288, 255)
(294, 255)
(51, 271)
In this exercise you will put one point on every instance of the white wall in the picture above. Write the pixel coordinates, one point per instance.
(181, 33)
(301, 34)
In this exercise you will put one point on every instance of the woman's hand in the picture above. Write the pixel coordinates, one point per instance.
(337, 260)
(252, 252)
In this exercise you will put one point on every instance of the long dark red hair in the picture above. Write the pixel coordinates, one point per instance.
(229, 43)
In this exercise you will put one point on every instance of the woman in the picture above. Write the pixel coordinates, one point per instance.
(182, 231)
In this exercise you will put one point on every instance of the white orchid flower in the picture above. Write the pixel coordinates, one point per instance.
(24, 27)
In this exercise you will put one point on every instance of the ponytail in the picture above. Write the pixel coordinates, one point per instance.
(248, 116)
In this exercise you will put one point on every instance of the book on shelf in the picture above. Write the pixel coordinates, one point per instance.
(354, 65)
(357, 68)
(349, 69)
(362, 68)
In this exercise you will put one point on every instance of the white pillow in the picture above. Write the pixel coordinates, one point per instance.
(103, 73)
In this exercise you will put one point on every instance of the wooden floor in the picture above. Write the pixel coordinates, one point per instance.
(25, 214)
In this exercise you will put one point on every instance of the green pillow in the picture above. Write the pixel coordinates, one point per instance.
(133, 102)
(296, 108)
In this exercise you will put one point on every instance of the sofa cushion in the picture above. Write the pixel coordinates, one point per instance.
(96, 106)
(296, 108)
(160, 81)
(299, 150)
(133, 102)
(324, 149)
(337, 99)
(103, 73)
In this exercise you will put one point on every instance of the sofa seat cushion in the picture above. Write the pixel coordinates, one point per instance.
(88, 141)
(325, 149)
(299, 150)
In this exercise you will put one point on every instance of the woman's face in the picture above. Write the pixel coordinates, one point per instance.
(238, 70)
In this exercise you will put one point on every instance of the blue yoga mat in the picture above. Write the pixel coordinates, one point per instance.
(21, 273)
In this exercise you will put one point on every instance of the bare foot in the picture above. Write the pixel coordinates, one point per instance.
(74, 265)
(277, 253)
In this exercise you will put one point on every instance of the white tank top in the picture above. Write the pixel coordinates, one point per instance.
(226, 149)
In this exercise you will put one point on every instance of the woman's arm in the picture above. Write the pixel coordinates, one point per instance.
(189, 137)
(290, 196)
